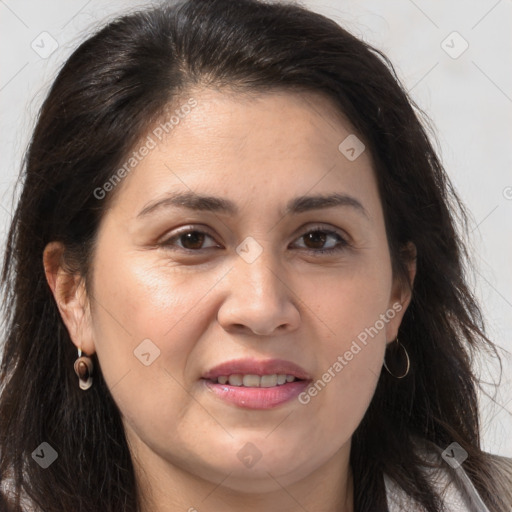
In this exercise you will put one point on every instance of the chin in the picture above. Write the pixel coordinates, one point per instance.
(262, 480)
(266, 474)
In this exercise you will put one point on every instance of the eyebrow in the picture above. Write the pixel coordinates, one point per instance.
(193, 201)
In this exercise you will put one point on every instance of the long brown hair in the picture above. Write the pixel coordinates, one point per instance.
(102, 102)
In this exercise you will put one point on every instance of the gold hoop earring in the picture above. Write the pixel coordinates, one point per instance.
(83, 368)
(408, 363)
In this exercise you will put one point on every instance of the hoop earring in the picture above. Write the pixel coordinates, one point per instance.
(408, 363)
(83, 368)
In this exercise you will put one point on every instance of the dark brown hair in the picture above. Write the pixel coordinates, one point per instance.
(102, 102)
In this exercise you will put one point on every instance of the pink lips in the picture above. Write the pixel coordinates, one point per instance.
(257, 397)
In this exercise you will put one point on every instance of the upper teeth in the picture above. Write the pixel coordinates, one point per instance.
(255, 381)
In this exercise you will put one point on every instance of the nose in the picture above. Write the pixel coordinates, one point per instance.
(259, 299)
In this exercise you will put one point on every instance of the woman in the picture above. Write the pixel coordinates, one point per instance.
(233, 281)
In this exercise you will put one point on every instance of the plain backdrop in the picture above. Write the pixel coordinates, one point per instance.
(454, 59)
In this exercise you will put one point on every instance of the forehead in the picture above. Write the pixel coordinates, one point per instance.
(246, 143)
(282, 119)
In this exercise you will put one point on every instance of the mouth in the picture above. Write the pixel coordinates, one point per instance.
(253, 384)
(252, 372)
(255, 381)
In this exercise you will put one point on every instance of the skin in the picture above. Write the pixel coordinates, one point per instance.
(206, 307)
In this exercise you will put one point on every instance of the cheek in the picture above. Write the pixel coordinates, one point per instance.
(146, 330)
(348, 301)
(142, 297)
(145, 322)
(352, 315)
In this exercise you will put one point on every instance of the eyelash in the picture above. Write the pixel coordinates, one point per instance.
(342, 242)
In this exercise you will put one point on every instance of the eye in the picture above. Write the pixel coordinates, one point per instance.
(316, 238)
(190, 240)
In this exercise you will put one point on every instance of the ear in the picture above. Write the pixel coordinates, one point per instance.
(401, 292)
(70, 295)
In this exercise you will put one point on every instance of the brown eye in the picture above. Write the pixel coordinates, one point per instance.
(192, 240)
(188, 240)
(316, 240)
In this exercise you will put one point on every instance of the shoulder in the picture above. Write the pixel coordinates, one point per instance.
(449, 480)
(451, 494)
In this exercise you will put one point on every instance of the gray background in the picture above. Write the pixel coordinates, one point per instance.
(467, 96)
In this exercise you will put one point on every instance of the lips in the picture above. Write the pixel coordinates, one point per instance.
(255, 384)
(256, 367)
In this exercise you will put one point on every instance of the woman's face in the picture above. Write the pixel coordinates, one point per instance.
(182, 285)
